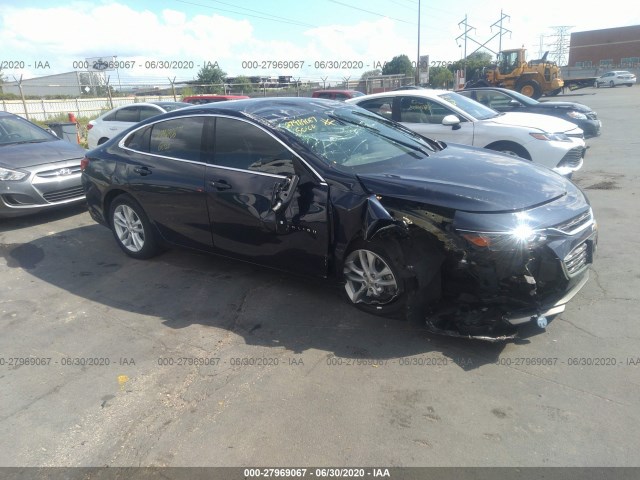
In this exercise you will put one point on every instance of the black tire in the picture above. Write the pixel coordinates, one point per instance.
(131, 228)
(612, 84)
(530, 88)
(510, 148)
(102, 140)
(373, 281)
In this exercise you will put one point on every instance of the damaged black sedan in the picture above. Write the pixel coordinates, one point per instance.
(472, 240)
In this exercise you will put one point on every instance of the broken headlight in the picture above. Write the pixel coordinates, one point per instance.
(521, 237)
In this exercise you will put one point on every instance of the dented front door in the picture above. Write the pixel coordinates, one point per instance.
(249, 168)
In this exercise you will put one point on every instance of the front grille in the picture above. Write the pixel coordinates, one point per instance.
(65, 194)
(576, 224)
(60, 172)
(573, 158)
(577, 259)
(576, 135)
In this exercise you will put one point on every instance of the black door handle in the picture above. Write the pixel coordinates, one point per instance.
(220, 185)
(143, 171)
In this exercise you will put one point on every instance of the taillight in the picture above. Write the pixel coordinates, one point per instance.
(89, 126)
(84, 163)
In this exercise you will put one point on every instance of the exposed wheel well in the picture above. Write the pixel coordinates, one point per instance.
(509, 147)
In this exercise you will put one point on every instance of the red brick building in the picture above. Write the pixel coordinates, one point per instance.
(607, 48)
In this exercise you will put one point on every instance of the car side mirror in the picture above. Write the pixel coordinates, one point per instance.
(514, 103)
(451, 121)
(283, 192)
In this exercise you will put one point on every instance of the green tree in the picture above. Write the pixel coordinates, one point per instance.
(211, 79)
(370, 73)
(243, 85)
(399, 64)
(440, 77)
(475, 63)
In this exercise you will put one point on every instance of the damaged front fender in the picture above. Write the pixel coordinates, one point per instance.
(377, 219)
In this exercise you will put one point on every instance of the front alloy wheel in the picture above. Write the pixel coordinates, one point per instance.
(369, 279)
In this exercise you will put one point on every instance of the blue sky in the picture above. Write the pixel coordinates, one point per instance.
(45, 37)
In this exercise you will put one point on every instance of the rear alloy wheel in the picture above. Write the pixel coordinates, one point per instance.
(132, 229)
(372, 280)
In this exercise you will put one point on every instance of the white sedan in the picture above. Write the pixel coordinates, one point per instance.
(450, 117)
(616, 77)
(111, 123)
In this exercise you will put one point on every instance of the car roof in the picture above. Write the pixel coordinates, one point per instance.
(335, 90)
(267, 108)
(428, 93)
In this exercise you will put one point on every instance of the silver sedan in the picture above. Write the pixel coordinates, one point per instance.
(38, 171)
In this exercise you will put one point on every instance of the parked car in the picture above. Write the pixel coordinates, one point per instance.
(340, 95)
(505, 100)
(38, 171)
(202, 99)
(451, 117)
(328, 189)
(615, 78)
(115, 121)
(409, 87)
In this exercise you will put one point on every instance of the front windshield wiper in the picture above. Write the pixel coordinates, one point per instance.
(378, 132)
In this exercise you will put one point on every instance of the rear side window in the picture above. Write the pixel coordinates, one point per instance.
(129, 114)
(178, 138)
(139, 140)
(244, 146)
(381, 106)
(147, 112)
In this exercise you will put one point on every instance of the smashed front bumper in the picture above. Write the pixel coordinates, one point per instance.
(498, 290)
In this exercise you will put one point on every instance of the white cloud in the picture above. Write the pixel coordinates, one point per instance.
(62, 35)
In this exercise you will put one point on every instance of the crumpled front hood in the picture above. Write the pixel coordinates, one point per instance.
(469, 179)
(31, 154)
(546, 123)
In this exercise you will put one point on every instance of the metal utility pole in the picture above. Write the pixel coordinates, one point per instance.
(467, 29)
(502, 30)
(561, 44)
(418, 62)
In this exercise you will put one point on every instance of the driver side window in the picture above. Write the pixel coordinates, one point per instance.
(422, 110)
(239, 144)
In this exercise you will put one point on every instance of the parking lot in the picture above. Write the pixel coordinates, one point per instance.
(194, 360)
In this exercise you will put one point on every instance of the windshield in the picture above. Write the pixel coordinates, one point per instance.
(523, 98)
(354, 140)
(18, 130)
(469, 106)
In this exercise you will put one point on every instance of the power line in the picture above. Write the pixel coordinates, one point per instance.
(275, 19)
(372, 13)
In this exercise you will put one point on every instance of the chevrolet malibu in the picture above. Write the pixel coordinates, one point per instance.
(474, 240)
(451, 117)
